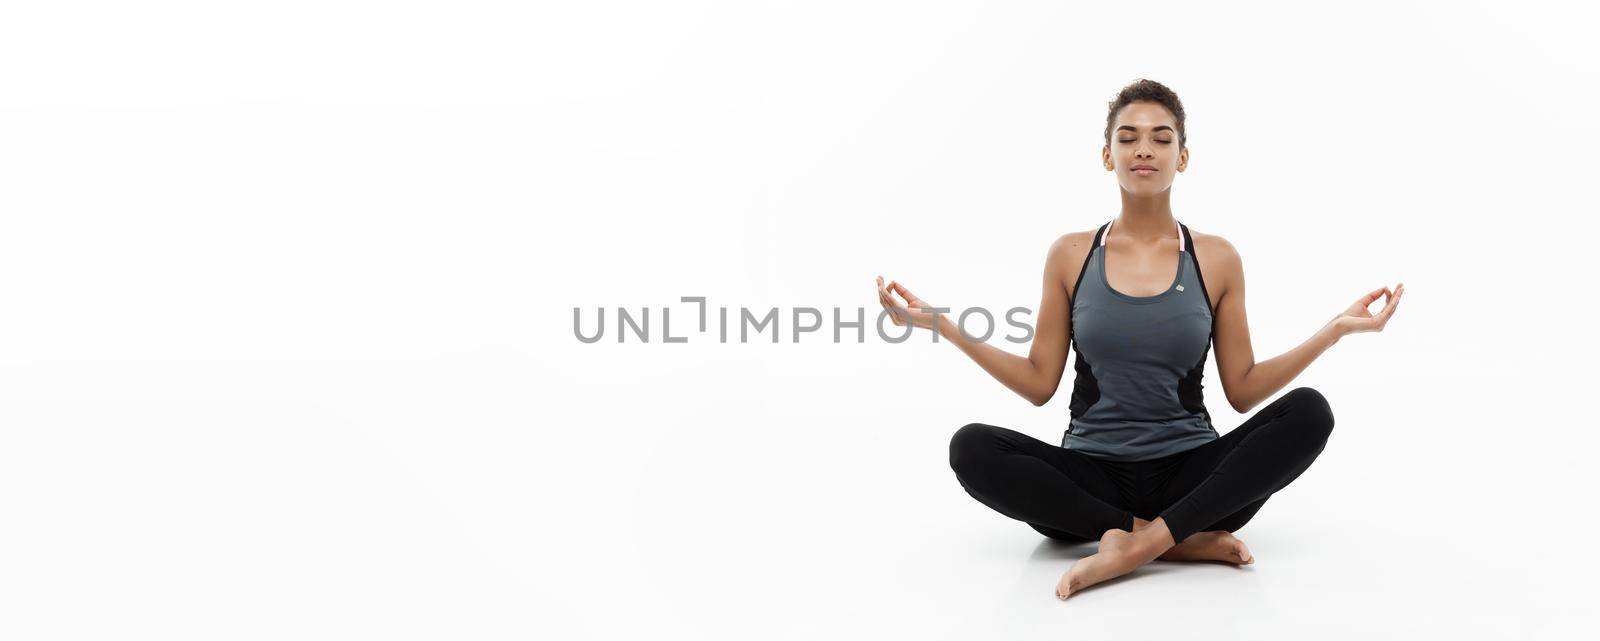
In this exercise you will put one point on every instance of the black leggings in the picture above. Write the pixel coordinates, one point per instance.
(1067, 495)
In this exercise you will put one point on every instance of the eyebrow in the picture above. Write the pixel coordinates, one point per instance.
(1159, 128)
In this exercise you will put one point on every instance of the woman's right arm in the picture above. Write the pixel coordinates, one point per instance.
(1036, 376)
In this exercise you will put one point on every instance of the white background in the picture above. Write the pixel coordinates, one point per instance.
(287, 291)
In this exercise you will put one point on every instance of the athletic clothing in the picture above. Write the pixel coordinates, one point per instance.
(1140, 358)
(1140, 442)
(1068, 495)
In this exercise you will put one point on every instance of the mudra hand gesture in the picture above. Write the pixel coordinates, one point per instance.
(1357, 319)
(910, 311)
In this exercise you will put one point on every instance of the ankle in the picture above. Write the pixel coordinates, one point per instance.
(1154, 534)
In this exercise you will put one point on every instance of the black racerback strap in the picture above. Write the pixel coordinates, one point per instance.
(1098, 235)
(1188, 243)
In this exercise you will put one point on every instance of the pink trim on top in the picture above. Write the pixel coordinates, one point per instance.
(1106, 235)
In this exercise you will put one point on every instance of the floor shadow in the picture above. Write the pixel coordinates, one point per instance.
(1050, 549)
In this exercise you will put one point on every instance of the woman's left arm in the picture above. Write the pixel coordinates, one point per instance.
(1247, 383)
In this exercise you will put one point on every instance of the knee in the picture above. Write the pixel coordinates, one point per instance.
(968, 444)
(1313, 407)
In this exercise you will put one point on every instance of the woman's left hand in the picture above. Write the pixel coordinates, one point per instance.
(1357, 319)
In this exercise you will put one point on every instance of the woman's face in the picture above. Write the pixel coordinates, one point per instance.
(1144, 149)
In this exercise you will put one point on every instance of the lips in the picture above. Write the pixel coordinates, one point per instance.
(1144, 170)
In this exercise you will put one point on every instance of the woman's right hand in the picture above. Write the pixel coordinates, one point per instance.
(909, 312)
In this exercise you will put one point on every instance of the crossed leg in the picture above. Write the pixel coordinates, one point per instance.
(1063, 494)
(1214, 543)
(1223, 481)
(1067, 496)
(1060, 492)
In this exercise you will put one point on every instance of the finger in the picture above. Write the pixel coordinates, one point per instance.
(1394, 297)
(1381, 318)
(906, 295)
(1386, 293)
(1366, 299)
(893, 305)
(905, 292)
(1388, 310)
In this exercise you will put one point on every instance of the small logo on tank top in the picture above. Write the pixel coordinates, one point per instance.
(1180, 288)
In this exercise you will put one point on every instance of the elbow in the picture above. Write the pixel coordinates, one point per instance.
(1041, 397)
(1041, 387)
(1239, 405)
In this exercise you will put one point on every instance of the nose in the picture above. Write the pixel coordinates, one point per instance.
(1144, 151)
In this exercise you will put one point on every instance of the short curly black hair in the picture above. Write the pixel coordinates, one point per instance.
(1152, 91)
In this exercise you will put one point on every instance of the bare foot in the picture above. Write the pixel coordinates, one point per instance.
(1219, 545)
(1120, 553)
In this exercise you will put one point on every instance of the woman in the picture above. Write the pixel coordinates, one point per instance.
(1141, 299)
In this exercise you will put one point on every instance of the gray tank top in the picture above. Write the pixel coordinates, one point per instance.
(1140, 358)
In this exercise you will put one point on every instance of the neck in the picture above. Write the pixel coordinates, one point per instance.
(1146, 218)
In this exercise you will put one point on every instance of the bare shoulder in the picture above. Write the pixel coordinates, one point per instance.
(1220, 263)
(1070, 243)
(1214, 246)
(1067, 254)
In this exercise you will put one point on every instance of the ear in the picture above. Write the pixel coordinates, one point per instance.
(1105, 157)
(1183, 158)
